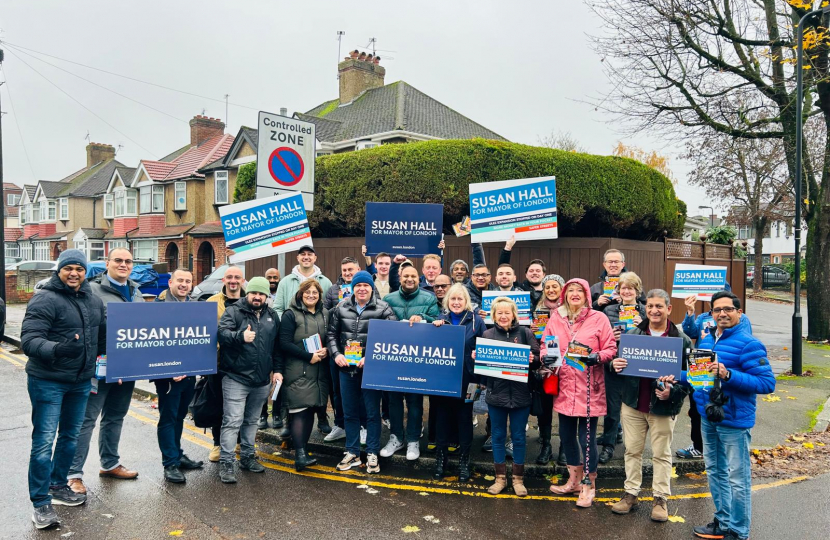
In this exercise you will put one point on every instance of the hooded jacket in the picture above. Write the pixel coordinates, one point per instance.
(597, 290)
(503, 392)
(419, 302)
(250, 364)
(304, 384)
(290, 284)
(590, 328)
(54, 316)
(473, 328)
(346, 324)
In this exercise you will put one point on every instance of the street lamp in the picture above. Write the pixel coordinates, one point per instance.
(711, 214)
(799, 128)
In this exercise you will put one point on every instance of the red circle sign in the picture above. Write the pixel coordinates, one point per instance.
(286, 166)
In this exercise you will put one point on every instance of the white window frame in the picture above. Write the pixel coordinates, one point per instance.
(109, 206)
(180, 187)
(132, 197)
(363, 145)
(26, 251)
(22, 214)
(64, 208)
(148, 200)
(35, 214)
(221, 177)
(145, 250)
(12, 199)
(12, 249)
(41, 250)
(80, 245)
(96, 251)
(116, 244)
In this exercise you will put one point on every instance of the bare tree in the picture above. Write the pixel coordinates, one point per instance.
(562, 140)
(689, 67)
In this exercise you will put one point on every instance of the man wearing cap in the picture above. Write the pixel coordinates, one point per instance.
(250, 354)
(290, 284)
(63, 331)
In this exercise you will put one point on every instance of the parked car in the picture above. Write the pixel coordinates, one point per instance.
(33, 265)
(212, 284)
(773, 276)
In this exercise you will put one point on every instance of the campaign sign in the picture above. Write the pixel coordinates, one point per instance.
(263, 227)
(704, 281)
(521, 298)
(159, 340)
(524, 208)
(421, 359)
(502, 359)
(413, 230)
(651, 356)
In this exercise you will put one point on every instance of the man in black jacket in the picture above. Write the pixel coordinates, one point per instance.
(249, 346)
(60, 367)
(613, 264)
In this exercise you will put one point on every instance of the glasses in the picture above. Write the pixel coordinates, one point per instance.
(613, 262)
(437, 286)
(479, 276)
(723, 310)
(124, 261)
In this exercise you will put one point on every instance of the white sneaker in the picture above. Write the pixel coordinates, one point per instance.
(350, 461)
(372, 466)
(391, 447)
(386, 423)
(363, 433)
(413, 451)
(475, 420)
(337, 433)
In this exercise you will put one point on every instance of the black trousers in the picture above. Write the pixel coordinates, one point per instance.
(454, 422)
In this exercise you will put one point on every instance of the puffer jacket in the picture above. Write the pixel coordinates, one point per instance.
(694, 327)
(502, 392)
(420, 302)
(746, 359)
(250, 364)
(103, 289)
(631, 385)
(54, 315)
(592, 329)
(304, 384)
(346, 324)
(475, 294)
(473, 328)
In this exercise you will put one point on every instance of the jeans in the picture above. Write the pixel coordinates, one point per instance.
(354, 399)
(572, 433)
(336, 395)
(726, 455)
(414, 415)
(174, 398)
(498, 425)
(240, 417)
(111, 403)
(56, 407)
(660, 429)
(613, 400)
(453, 422)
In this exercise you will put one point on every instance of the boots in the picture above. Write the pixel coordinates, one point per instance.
(464, 468)
(562, 459)
(440, 463)
(302, 459)
(572, 485)
(587, 493)
(501, 479)
(518, 480)
(545, 454)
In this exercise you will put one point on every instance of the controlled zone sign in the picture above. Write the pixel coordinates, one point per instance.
(159, 340)
(411, 229)
(264, 227)
(420, 359)
(524, 208)
(704, 281)
(286, 149)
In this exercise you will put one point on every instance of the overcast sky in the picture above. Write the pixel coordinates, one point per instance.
(520, 69)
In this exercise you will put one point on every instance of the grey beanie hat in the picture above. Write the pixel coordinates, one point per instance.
(72, 256)
(553, 277)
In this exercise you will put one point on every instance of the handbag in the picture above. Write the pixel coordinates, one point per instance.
(551, 385)
(207, 403)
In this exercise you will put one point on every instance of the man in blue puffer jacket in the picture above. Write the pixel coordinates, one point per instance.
(744, 372)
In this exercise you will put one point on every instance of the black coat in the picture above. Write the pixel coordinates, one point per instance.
(345, 324)
(505, 393)
(304, 384)
(250, 364)
(473, 328)
(597, 290)
(54, 315)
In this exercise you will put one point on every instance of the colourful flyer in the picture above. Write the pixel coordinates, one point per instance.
(627, 314)
(576, 352)
(698, 373)
(462, 228)
(344, 291)
(354, 352)
(610, 285)
(539, 322)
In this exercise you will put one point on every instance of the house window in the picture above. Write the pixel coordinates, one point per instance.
(64, 208)
(96, 250)
(132, 202)
(41, 251)
(109, 213)
(35, 214)
(116, 244)
(12, 200)
(80, 245)
(12, 249)
(23, 214)
(181, 196)
(221, 186)
(152, 199)
(26, 251)
(120, 202)
(745, 233)
(145, 250)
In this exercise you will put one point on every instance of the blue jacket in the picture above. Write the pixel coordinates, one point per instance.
(473, 328)
(694, 327)
(746, 358)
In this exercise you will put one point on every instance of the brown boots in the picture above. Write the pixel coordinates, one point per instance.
(572, 485)
(501, 479)
(518, 480)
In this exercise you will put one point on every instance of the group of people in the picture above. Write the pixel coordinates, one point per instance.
(265, 326)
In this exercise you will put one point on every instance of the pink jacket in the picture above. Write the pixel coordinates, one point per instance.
(592, 329)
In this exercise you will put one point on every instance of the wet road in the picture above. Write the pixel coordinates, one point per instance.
(324, 503)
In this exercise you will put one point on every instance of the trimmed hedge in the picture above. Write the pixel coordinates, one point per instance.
(597, 196)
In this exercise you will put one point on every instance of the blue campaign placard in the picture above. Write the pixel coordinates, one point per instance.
(159, 340)
(421, 359)
(651, 356)
(409, 229)
(702, 280)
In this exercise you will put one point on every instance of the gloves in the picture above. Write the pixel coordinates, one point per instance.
(592, 360)
(70, 349)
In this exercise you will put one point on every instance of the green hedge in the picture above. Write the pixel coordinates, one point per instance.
(596, 195)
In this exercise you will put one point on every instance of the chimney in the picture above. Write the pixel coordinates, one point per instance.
(98, 152)
(283, 111)
(203, 128)
(358, 73)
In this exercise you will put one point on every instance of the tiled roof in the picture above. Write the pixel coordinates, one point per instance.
(94, 181)
(74, 175)
(188, 163)
(12, 234)
(8, 186)
(126, 173)
(252, 134)
(208, 228)
(51, 189)
(396, 106)
(94, 233)
(32, 237)
(56, 236)
(173, 230)
(157, 170)
(30, 190)
(176, 153)
(12, 211)
(244, 135)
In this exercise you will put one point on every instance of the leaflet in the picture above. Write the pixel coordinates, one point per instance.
(698, 373)
(463, 227)
(539, 322)
(344, 291)
(101, 367)
(313, 343)
(610, 285)
(576, 355)
(627, 314)
(276, 391)
(354, 352)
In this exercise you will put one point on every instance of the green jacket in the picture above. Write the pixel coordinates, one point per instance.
(288, 287)
(631, 385)
(418, 302)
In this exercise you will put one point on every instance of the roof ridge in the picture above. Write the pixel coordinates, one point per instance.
(209, 157)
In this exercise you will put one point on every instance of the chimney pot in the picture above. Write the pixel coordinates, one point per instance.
(370, 57)
(362, 56)
(377, 60)
(354, 54)
(283, 111)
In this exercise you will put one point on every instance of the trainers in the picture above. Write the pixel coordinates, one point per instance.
(226, 473)
(392, 446)
(625, 505)
(277, 422)
(475, 420)
(413, 451)
(251, 464)
(452, 448)
(372, 466)
(712, 530)
(45, 516)
(263, 422)
(386, 423)
(606, 455)
(349, 461)
(431, 447)
(659, 512)
(488, 445)
(337, 433)
(363, 434)
(64, 496)
(689, 453)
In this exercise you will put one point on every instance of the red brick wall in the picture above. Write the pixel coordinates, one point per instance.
(29, 230)
(121, 225)
(201, 267)
(46, 229)
(150, 223)
(20, 285)
(56, 248)
(203, 128)
(183, 253)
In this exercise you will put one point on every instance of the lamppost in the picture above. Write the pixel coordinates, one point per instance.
(799, 128)
(711, 214)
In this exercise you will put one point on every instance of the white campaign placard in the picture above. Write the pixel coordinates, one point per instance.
(525, 208)
(286, 149)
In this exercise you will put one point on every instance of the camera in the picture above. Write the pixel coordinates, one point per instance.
(717, 399)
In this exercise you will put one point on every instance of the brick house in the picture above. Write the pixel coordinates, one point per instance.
(11, 219)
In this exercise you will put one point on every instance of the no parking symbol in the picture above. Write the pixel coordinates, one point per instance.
(286, 166)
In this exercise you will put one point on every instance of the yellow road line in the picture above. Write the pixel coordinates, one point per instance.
(8, 358)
